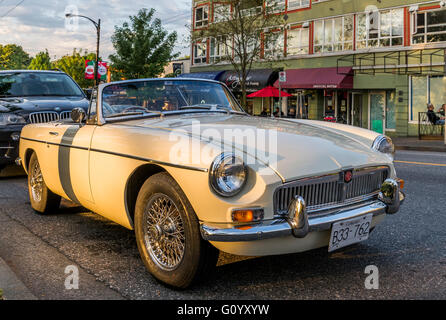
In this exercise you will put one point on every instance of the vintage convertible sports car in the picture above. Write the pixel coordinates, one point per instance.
(180, 162)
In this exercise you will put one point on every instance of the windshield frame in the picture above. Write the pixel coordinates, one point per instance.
(61, 73)
(101, 120)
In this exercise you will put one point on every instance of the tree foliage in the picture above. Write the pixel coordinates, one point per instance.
(143, 47)
(42, 61)
(74, 65)
(13, 57)
(242, 34)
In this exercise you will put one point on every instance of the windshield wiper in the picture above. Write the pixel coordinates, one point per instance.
(134, 113)
(211, 107)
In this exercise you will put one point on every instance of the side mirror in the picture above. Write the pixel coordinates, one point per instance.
(78, 115)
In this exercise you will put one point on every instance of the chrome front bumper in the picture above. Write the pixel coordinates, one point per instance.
(299, 224)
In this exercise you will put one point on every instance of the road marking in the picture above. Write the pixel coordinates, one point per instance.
(422, 163)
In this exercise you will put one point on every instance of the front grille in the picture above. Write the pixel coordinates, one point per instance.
(65, 115)
(48, 116)
(321, 193)
(42, 117)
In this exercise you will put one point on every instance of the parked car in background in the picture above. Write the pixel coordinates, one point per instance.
(28, 96)
(158, 156)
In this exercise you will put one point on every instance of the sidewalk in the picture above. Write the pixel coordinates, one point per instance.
(412, 143)
(12, 287)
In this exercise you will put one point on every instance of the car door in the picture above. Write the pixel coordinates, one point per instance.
(68, 147)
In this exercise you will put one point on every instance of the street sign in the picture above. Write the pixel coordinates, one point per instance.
(282, 76)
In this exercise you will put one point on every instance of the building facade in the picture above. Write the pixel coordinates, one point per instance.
(369, 63)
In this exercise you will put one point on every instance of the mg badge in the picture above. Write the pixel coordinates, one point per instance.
(348, 176)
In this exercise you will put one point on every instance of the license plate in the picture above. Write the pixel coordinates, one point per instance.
(350, 231)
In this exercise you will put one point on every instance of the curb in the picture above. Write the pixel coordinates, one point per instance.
(424, 149)
(12, 287)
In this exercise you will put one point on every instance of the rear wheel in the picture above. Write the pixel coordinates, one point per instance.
(168, 234)
(42, 199)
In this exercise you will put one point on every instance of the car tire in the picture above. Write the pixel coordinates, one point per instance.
(42, 199)
(168, 234)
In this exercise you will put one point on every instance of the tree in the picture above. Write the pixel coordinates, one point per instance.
(244, 35)
(41, 61)
(13, 57)
(143, 47)
(74, 65)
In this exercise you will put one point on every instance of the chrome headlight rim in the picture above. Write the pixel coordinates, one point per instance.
(380, 142)
(213, 174)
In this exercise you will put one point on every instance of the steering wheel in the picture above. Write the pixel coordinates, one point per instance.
(134, 108)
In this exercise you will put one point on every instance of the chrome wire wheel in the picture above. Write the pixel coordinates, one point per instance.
(36, 182)
(164, 234)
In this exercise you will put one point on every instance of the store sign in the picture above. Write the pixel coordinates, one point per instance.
(325, 86)
(102, 70)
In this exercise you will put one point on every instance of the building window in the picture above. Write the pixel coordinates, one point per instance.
(429, 27)
(275, 6)
(273, 44)
(222, 12)
(298, 4)
(200, 52)
(426, 90)
(333, 34)
(380, 29)
(298, 41)
(201, 16)
(219, 50)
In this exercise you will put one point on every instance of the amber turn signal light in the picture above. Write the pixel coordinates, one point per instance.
(247, 215)
(401, 183)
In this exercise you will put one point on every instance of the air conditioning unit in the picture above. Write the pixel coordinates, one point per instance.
(415, 8)
(306, 24)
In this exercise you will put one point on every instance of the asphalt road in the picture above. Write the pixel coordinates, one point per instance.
(409, 250)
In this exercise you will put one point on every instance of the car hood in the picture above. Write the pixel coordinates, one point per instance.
(293, 149)
(35, 104)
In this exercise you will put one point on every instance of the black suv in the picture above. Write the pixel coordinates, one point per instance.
(33, 97)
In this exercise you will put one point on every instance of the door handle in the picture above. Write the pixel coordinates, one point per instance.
(54, 133)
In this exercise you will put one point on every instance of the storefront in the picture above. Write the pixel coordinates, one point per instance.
(256, 80)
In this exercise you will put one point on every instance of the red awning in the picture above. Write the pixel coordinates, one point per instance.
(268, 92)
(318, 78)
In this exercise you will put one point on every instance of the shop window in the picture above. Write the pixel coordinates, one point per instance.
(380, 29)
(219, 49)
(298, 41)
(200, 52)
(298, 4)
(426, 90)
(390, 110)
(333, 34)
(222, 12)
(201, 16)
(429, 27)
(273, 44)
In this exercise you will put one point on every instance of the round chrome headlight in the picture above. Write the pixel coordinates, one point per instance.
(228, 174)
(384, 144)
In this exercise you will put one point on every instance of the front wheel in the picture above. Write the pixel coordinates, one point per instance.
(42, 199)
(168, 234)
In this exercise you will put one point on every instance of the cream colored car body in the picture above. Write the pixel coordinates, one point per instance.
(93, 165)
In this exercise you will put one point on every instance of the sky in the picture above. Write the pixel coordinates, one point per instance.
(37, 25)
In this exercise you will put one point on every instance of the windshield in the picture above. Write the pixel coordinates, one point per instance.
(26, 84)
(154, 96)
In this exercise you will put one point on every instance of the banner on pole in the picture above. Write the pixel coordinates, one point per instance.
(102, 70)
